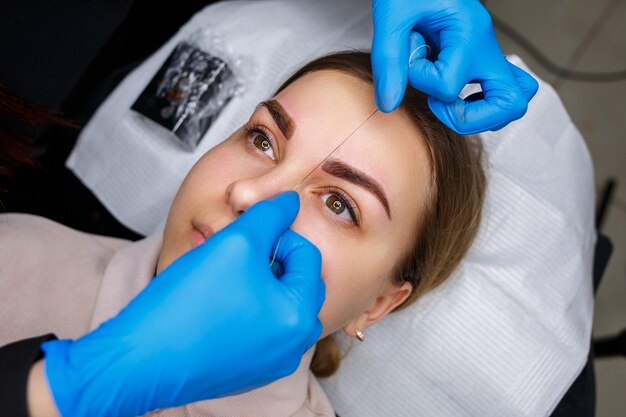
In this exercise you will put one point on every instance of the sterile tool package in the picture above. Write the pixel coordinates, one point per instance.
(191, 88)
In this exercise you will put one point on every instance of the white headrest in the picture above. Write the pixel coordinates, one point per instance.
(506, 335)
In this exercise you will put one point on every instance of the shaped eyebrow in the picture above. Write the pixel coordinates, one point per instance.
(281, 117)
(344, 171)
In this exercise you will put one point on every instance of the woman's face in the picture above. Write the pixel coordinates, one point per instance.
(360, 207)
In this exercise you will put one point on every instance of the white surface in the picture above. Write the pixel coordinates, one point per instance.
(506, 336)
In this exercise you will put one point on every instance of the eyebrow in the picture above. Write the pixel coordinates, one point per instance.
(280, 116)
(344, 171)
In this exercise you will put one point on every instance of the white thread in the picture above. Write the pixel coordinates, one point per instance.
(275, 251)
(417, 49)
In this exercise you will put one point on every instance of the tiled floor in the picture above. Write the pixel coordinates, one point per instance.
(588, 36)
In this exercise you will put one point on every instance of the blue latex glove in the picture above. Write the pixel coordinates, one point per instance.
(215, 322)
(464, 49)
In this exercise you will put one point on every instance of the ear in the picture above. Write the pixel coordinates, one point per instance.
(391, 298)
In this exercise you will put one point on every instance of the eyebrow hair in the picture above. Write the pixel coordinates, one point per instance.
(280, 116)
(344, 171)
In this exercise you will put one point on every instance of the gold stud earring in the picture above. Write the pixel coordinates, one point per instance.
(359, 335)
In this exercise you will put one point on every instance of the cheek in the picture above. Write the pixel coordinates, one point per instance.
(218, 168)
(352, 282)
(202, 193)
(201, 188)
(208, 180)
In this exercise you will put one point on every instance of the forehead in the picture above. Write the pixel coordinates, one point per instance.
(327, 92)
(327, 106)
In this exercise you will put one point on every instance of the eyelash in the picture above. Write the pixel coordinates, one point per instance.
(351, 205)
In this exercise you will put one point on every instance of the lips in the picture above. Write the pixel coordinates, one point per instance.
(200, 233)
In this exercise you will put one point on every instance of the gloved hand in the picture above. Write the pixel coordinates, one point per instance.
(463, 50)
(215, 322)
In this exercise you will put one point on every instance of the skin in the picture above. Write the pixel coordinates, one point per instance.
(38, 396)
(324, 108)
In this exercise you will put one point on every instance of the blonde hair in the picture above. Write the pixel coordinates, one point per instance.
(452, 215)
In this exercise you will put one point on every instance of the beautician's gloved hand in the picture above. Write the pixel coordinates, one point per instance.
(215, 322)
(464, 49)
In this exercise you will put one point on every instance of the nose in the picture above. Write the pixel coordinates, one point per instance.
(241, 194)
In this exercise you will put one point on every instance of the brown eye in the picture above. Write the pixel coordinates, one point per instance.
(335, 204)
(262, 143)
(341, 206)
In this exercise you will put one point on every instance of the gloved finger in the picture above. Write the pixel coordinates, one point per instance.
(390, 61)
(417, 47)
(266, 220)
(480, 96)
(503, 102)
(315, 335)
(525, 81)
(444, 78)
(302, 263)
(527, 84)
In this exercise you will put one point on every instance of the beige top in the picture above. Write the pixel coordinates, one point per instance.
(55, 279)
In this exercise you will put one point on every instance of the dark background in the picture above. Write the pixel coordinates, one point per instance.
(66, 57)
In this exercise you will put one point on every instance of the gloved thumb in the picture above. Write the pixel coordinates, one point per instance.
(265, 221)
(302, 263)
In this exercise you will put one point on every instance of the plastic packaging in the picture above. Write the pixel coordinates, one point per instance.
(191, 88)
